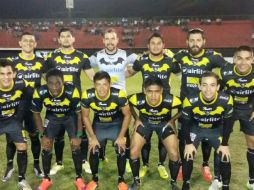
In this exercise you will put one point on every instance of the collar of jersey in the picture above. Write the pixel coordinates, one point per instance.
(208, 103)
(154, 105)
(200, 54)
(111, 53)
(67, 52)
(27, 59)
(102, 99)
(8, 89)
(61, 93)
(242, 74)
(156, 60)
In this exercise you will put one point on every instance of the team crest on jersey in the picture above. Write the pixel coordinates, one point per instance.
(227, 72)
(184, 70)
(242, 85)
(194, 61)
(242, 82)
(207, 110)
(7, 98)
(102, 105)
(207, 113)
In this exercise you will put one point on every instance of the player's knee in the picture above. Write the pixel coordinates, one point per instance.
(21, 146)
(75, 144)
(173, 154)
(134, 152)
(47, 144)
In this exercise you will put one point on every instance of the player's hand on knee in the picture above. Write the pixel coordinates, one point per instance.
(94, 144)
(120, 143)
(189, 152)
(224, 152)
(46, 143)
(75, 142)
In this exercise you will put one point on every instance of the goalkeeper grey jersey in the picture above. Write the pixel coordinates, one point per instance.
(115, 64)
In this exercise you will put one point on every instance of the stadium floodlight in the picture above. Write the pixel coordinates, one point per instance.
(69, 4)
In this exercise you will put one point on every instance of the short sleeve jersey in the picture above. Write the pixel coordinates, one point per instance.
(207, 115)
(10, 99)
(192, 67)
(65, 104)
(108, 109)
(70, 64)
(161, 68)
(155, 114)
(29, 69)
(240, 87)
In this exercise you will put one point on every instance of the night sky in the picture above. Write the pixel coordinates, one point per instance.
(121, 8)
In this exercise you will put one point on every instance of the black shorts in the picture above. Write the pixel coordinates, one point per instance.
(107, 131)
(180, 133)
(13, 130)
(146, 131)
(56, 127)
(246, 126)
(29, 123)
(212, 136)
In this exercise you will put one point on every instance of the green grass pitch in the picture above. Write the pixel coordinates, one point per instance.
(108, 175)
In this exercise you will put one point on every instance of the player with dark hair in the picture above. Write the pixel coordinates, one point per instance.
(70, 61)
(207, 115)
(111, 120)
(155, 63)
(29, 67)
(154, 108)
(13, 95)
(195, 61)
(62, 103)
(238, 81)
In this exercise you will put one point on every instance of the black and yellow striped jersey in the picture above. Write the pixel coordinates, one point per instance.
(10, 99)
(161, 68)
(65, 104)
(207, 114)
(155, 114)
(70, 63)
(108, 109)
(240, 87)
(29, 69)
(192, 67)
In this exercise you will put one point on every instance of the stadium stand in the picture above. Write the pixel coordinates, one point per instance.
(222, 34)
